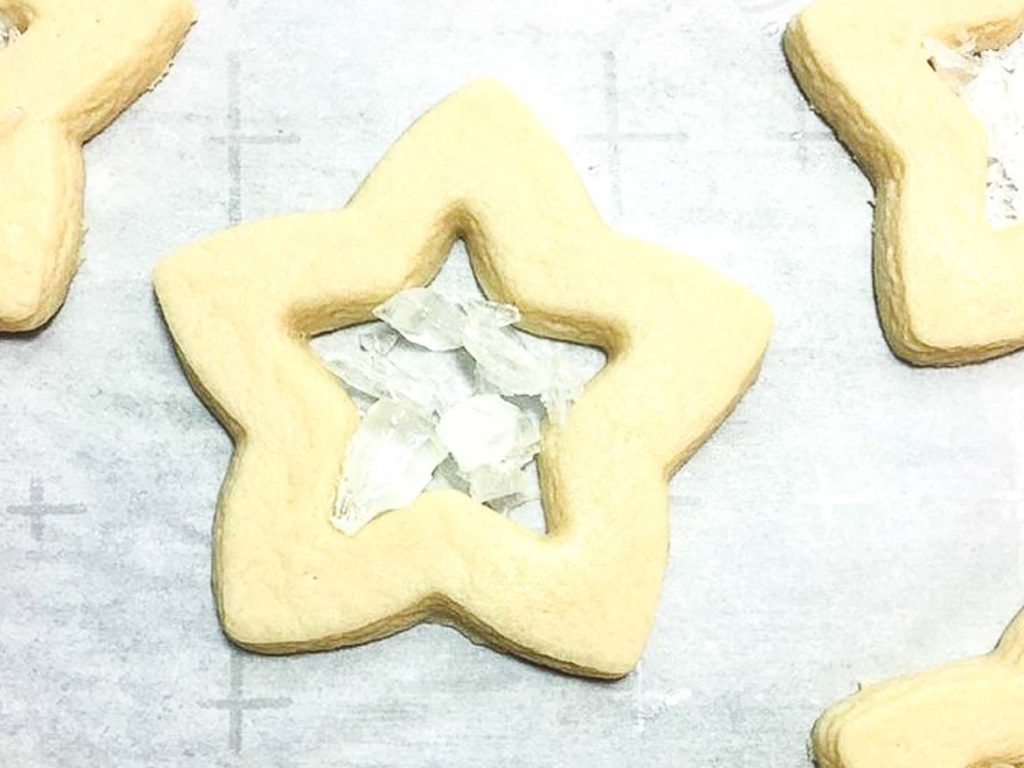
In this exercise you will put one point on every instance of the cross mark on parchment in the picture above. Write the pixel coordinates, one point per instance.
(615, 137)
(37, 509)
(828, 499)
(234, 140)
(806, 136)
(236, 703)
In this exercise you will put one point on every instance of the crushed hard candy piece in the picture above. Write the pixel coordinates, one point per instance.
(424, 317)
(504, 360)
(382, 377)
(379, 340)
(491, 312)
(488, 430)
(506, 481)
(481, 384)
(360, 372)
(565, 388)
(390, 460)
(448, 475)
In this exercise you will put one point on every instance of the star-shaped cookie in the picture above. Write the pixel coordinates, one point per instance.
(74, 68)
(683, 344)
(964, 715)
(948, 285)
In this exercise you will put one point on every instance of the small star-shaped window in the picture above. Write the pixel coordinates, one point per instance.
(451, 392)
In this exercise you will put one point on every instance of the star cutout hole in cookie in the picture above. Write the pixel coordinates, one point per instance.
(683, 343)
(453, 394)
(66, 73)
(947, 283)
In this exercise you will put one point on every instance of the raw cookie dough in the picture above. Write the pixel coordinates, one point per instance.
(949, 286)
(964, 715)
(78, 64)
(683, 344)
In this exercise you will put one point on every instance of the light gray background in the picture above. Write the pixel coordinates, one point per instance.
(853, 520)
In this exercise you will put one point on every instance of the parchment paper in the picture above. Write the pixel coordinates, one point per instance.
(855, 519)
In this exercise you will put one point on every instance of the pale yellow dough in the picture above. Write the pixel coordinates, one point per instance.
(683, 344)
(78, 64)
(949, 287)
(964, 715)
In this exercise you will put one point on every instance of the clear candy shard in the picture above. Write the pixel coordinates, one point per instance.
(488, 430)
(382, 377)
(492, 313)
(361, 372)
(565, 388)
(390, 461)
(448, 475)
(424, 317)
(506, 482)
(378, 340)
(504, 360)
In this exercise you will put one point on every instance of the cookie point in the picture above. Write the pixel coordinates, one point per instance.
(488, 89)
(20, 312)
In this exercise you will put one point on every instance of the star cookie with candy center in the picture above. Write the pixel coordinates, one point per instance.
(683, 344)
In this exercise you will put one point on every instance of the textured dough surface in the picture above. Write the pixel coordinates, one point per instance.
(948, 285)
(964, 715)
(76, 67)
(683, 343)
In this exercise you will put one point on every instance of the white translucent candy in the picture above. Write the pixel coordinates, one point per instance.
(379, 340)
(361, 372)
(491, 312)
(508, 482)
(504, 361)
(424, 317)
(390, 460)
(481, 385)
(488, 430)
(565, 388)
(448, 475)
(382, 377)
(491, 482)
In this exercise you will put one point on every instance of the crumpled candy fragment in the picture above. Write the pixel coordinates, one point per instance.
(486, 312)
(378, 340)
(506, 482)
(488, 430)
(390, 460)
(504, 360)
(424, 317)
